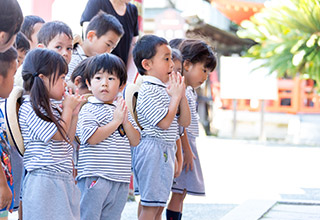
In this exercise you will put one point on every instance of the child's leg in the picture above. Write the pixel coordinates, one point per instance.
(148, 212)
(159, 213)
(20, 210)
(175, 206)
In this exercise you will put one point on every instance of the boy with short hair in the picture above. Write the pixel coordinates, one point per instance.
(106, 132)
(102, 36)
(57, 36)
(30, 27)
(8, 65)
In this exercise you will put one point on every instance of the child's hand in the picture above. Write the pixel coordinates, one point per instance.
(176, 86)
(120, 112)
(188, 158)
(177, 169)
(5, 196)
(74, 102)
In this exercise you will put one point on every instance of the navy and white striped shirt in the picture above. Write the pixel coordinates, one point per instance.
(109, 159)
(77, 56)
(152, 106)
(193, 128)
(41, 152)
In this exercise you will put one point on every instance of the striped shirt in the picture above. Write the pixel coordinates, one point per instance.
(193, 128)
(41, 151)
(77, 56)
(152, 106)
(109, 159)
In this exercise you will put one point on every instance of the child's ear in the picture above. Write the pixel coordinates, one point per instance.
(122, 87)
(40, 45)
(91, 35)
(88, 85)
(77, 81)
(186, 65)
(146, 64)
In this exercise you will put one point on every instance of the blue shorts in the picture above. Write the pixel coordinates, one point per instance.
(153, 169)
(102, 198)
(50, 195)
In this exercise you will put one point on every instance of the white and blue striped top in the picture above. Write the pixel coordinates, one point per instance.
(77, 56)
(111, 158)
(41, 152)
(152, 106)
(193, 128)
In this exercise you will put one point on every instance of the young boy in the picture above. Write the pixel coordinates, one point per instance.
(106, 131)
(157, 105)
(23, 46)
(77, 78)
(30, 27)
(102, 36)
(8, 65)
(57, 36)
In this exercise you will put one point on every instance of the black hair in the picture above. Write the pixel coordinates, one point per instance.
(51, 29)
(28, 24)
(11, 17)
(175, 43)
(52, 65)
(80, 71)
(196, 51)
(6, 60)
(146, 48)
(176, 54)
(22, 42)
(103, 22)
(107, 63)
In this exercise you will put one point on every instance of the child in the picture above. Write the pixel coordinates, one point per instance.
(10, 22)
(49, 191)
(8, 65)
(78, 80)
(157, 105)
(102, 36)
(198, 61)
(106, 132)
(57, 36)
(30, 27)
(23, 46)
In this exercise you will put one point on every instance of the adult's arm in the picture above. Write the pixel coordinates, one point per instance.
(92, 8)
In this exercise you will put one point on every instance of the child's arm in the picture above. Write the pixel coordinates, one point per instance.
(105, 131)
(185, 114)
(179, 158)
(132, 133)
(188, 155)
(175, 89)
(5, 192)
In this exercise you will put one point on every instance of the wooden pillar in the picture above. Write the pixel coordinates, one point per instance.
(43, 9)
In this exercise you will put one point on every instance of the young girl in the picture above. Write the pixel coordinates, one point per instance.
(198, 61)
(49, 191)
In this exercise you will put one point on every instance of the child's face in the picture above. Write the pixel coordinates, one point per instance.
(56, 89)
(21, 55)
(62, 44)
(195, 74)
(177, 67)
(105, 44)
(161, 65)
(6, 83)
(4, 45)
(34, 38)
(105, 87)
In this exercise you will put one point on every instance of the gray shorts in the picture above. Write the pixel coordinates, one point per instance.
(153, 169)
(50, 195)
(102, 198)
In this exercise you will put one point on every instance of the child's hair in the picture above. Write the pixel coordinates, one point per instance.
(176, 55)
(52, 65)
(22, 42)
(80, 71)
(196, 51)
(107, 63)
(146, 48)
(28, 24)
(11, 17)
(6, 60)
(103, 22)
(51, 29)
(175, 43)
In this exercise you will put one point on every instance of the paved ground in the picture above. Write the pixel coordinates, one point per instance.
(239, 170)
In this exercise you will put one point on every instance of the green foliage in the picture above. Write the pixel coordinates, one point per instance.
(288, 37)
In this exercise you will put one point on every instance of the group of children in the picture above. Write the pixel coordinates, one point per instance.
(109, 142)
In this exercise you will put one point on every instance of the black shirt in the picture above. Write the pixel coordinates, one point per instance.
(129, 23)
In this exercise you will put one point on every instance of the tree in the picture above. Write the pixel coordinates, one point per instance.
(288, 37)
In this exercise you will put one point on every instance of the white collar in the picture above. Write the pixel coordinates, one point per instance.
(154, 80)
(94, 100)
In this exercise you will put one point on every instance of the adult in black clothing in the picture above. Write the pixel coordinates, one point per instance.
(127, 14)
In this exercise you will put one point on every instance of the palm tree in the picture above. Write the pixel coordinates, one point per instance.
(288, 37)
